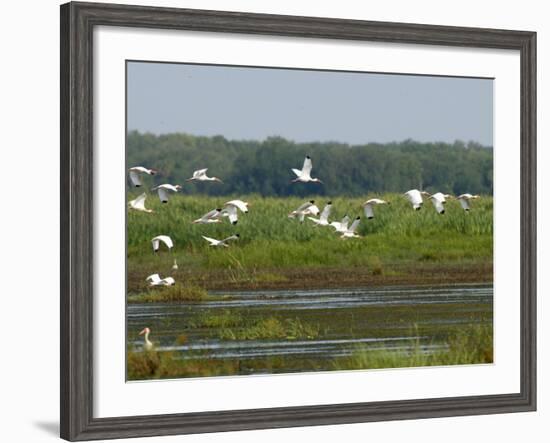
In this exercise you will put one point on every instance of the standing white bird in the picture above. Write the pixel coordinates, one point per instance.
(139, 203)
(200, 176)
(323, 218)
(137, 171)
(341, 226)
(213, 216)
(230, 210)
(214, 242)
(350, 232)
(307, 208)
(156, 241)
(415, 198)
(147, 344)
(164, 191)
(175, 265)
(464, 200)
(304, 175)
(369, 206)
(155, 280)
(439, 200)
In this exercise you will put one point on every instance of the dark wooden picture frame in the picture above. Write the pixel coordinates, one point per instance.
(77, 23)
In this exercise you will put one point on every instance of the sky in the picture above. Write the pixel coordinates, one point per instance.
(247, 103)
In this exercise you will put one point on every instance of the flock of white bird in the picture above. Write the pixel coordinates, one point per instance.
(230, 209)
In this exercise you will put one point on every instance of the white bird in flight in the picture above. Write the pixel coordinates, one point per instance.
(139, 203)
(341, 226)
(439, 200)
(156, 241)
(230, 210)
(304, 175)
(307, 208)
(147, 344)
(350, 232)
(415, 198)
(214, 242)
(165, 190)
(213, 216)
(369, 206)
(323, 218)
(464, 200)
(137, 171)
(155, 280)
(200, 175)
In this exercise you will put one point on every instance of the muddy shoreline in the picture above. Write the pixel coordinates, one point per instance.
(320, 278)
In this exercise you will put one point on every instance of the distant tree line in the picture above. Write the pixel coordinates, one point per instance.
(263, 167)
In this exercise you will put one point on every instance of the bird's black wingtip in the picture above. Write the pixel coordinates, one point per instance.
(370, 218)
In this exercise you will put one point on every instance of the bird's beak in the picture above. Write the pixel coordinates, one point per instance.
(142, 332)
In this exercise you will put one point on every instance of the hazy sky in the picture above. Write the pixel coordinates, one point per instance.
(305, 106)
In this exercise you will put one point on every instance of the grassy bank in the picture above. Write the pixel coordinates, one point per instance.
(472, 344)
(398, 246)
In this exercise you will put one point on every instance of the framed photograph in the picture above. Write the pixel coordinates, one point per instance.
(272, 221)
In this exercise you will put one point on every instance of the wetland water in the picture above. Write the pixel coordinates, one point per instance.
(341, 321)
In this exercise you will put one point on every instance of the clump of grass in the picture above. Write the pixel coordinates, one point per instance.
(472, 345)
(224, 319)
(142, 365)
(156, 365)
(176, 293)
(375, 265)
(270, 277)
(272, 328)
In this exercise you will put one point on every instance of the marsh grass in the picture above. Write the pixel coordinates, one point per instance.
(471, 345)
(271, 245)
(176, 293)
(228, 325)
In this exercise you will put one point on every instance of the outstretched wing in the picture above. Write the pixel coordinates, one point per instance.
(211, 215)
(296, 171)
(344, 223)
(369, 212)
(139, 202)
(438, 205)
(326, 212)
(238, 204)
(464, 203)
(135, 179)
(166, 240)
(163, 195)
(306, 169)
(153, 278)
(212, 241)
(354, 225)
(231, 212)
(303, 207)
(156, 244)
(199, 173)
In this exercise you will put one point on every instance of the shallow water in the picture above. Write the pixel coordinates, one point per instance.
(397, 318)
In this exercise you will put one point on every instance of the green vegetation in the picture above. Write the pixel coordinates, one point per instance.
(471, 345)
(398, 245)
(176, 293)
(263, 167)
